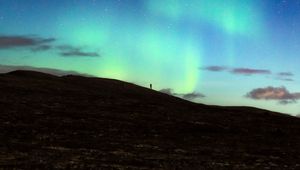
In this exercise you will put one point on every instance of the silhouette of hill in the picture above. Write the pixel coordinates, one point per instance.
(31, 74)
(73, 122)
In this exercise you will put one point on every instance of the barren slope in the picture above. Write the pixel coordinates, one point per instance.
(49, 122)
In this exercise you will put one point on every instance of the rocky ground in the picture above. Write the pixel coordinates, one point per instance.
(72, 122)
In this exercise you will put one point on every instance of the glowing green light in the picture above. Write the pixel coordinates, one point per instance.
(234, 16)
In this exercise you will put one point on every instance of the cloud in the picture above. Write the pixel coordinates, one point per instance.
(214, 68)
(280, 94)
(22, 41)
(70, 51)
(285, 74)
(37, 44)
(193, 96)
(57, 72)
(285, 102)
(249, 71)
(186, 96)
(243, 71)
(65, 47)
(285, 79)
(41, 48)
(79, 53)
(168, 91)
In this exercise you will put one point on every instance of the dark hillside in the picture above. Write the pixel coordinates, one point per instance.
(49, 122)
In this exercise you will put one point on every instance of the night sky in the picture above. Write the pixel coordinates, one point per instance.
(220, 52)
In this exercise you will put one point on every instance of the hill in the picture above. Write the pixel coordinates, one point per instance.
(73, 122)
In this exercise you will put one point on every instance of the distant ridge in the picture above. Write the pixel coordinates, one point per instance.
(29, 73)
(57, 72)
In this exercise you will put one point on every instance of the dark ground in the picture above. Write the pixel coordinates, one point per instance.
(72, 122)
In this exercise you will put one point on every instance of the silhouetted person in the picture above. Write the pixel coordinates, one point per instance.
(150, 86)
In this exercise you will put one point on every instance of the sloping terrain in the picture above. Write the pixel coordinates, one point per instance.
(72, 122)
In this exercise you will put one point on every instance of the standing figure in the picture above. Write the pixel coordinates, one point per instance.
(150, 86)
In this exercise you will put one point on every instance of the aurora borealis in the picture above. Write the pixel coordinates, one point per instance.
(233, 52)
